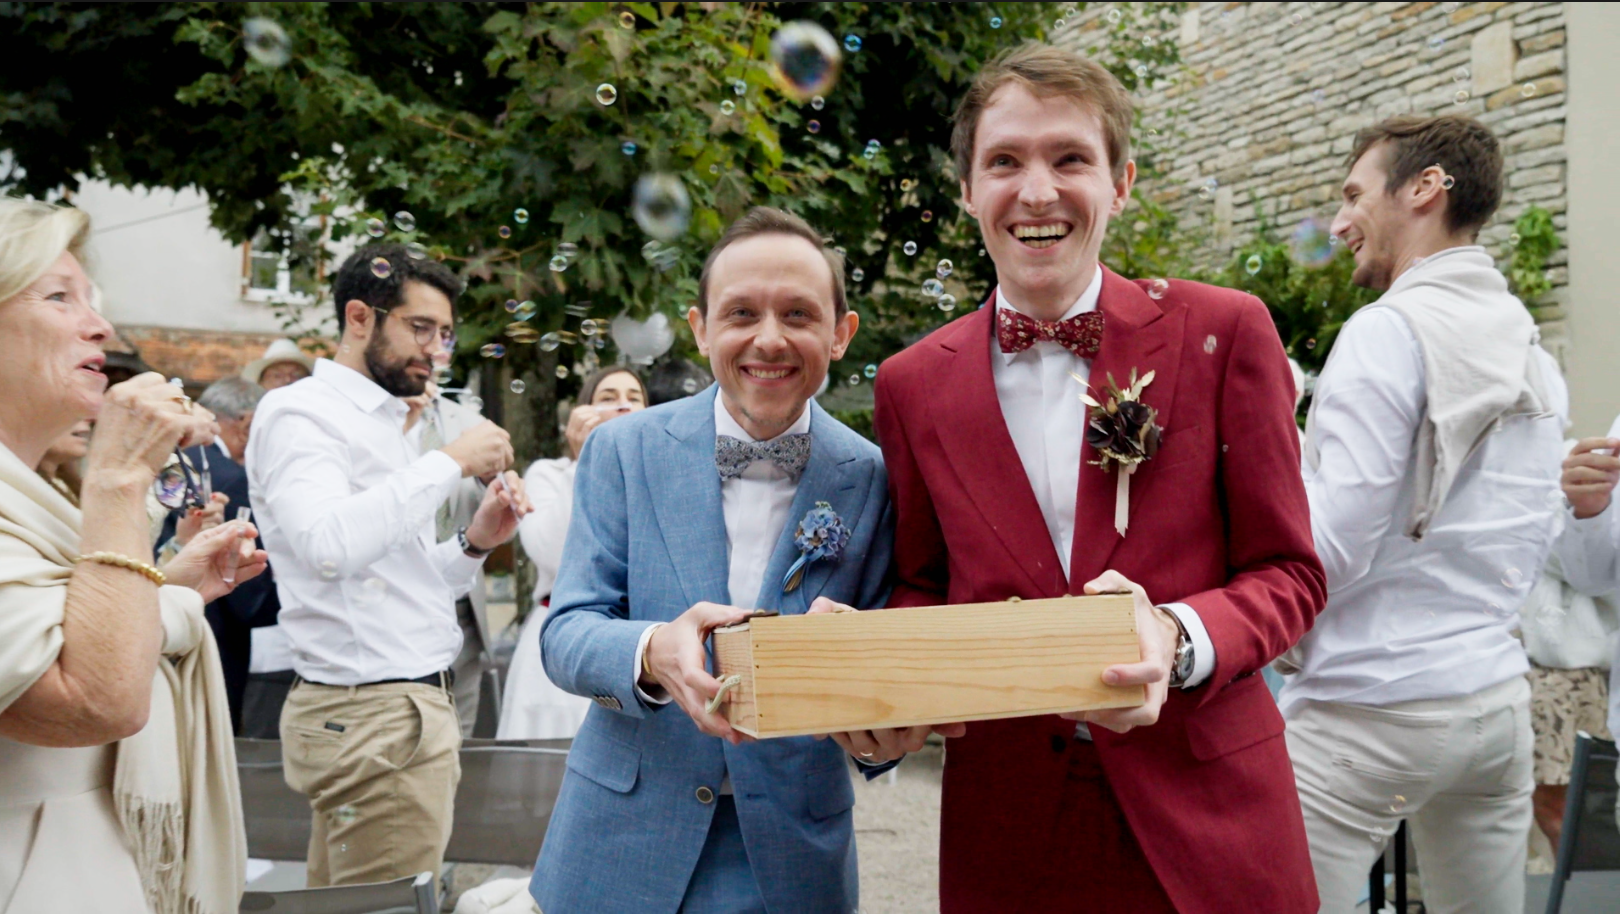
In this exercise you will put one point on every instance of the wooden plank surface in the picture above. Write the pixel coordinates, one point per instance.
(936, 664)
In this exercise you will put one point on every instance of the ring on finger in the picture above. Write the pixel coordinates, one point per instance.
(867, 754)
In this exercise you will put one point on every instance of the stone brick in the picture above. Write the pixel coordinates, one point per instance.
(1539, 65)
(1543, 42)
(1492, 57)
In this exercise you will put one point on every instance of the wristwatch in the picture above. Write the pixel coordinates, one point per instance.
(1182, 666)
(472, 552)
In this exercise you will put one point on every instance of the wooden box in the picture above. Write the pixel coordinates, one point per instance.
(834, 672)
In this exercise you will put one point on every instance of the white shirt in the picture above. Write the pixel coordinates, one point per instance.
(1589, 551)
(1040, 401)
(549, 484)
(346, 508)
(1405, 620)
(755, 506)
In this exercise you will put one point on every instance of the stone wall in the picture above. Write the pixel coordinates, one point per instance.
(1272, 94)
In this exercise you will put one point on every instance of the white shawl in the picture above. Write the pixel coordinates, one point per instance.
(175, 785)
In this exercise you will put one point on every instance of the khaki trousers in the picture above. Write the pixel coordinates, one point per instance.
(1457, 769)
(380, 765)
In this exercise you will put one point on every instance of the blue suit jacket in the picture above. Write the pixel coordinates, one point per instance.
(647, 541)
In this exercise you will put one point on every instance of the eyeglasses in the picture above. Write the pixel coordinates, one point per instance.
(423, 330)
(179, 486)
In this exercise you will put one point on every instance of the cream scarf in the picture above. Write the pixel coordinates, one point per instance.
(175, 785)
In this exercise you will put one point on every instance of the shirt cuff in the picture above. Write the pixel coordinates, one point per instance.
(442, 468)
(1203, 647)
(635, 674)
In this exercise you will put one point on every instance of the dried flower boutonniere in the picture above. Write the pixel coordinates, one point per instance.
(821, 535)
(1122, 430)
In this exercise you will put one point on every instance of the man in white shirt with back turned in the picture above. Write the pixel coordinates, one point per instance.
(1431, 462)
(346, 506)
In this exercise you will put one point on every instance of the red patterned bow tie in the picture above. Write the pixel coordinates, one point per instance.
(1081, 334)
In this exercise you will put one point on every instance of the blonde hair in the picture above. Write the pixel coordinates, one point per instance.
(33, 236)
(1046, 71)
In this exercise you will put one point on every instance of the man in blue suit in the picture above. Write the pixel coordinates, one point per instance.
(684, 520)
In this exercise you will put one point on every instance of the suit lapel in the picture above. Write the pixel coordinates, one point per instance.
(967, 419)
(834, 474)
(1139, 334)
(685, 492)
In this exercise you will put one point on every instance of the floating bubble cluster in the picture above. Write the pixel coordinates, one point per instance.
(266, 42)
(805, 60)
(661, 206)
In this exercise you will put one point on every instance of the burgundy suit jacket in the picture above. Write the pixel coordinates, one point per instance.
(1218, 520)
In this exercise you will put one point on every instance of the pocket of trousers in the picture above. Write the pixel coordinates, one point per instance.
(1382, 759)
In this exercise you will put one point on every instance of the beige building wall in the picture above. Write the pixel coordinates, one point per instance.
(1592, 359)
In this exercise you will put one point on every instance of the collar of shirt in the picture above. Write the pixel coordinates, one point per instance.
(724, 424)
(1086, 302)
(1460, 249)
(360, 389)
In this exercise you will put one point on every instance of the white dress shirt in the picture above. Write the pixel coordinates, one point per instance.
(1040, 401)
(755, 506)
(1589, 551)
(1417, 620)
(549, 484)
(346, 508)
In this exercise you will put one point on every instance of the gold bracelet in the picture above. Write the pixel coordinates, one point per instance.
(123, 561)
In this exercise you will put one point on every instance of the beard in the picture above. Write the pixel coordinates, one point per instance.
(390, 373)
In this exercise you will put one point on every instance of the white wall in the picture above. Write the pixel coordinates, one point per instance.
(160, 263)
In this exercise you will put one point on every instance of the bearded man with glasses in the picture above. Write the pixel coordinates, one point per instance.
(346, 506)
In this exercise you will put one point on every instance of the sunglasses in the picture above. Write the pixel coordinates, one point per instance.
(179, 486)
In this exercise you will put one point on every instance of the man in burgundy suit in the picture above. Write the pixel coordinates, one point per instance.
(1187, 803)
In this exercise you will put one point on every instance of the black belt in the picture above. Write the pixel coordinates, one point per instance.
(443, 679)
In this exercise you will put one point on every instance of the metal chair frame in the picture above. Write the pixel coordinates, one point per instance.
(1588, 749)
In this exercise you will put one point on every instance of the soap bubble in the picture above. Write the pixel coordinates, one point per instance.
(852, 43)
(995, 22)
(870, 152)
(568, 249)
(1397, 804)
(689, 386)
(520, 332)
(520, 215)
(1513, 239)
(1209, 344)
(606, 94)
(738, 87)
(550, 342)
(381, 268)
(1310, 343)
(1437, 42)
(1141, 70)
(1206, 191)
(562, 371)
(504, 231)
(373, 591)
(1461, 98)
(870, 371)
(345, 814)
(1512, 578)
(661, 206)
(933, 288)
(1157, 288)
(627, 20)
(525, 311)
(266, 42)
(928, 215)
(376, 228)
(817, 103)
(1058, 24)
(813, 126)
(728, 107)
(558, 263)
(1529, 90)
(591, 327)
(854, 380)
(943, 269)
(1253, 264)
(906, 184)
(404, 221)
(946, 302)
(517, 386)
(1461, 75)
(492, 350)
(857, 274)
(1114, 16)
(476, 404)
(416, 251)
(805, 60)
(511, 305)
(1310, 245)
(909, 247)
(628, 148)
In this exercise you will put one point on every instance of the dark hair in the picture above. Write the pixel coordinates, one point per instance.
(1046, 71)
(766, 220)
(357, 279)
(587, 387)
(674, 379)
(1462, 146)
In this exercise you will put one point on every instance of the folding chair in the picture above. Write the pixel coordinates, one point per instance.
(277, 816)
(1375, 880)
(1591, 839)
(504, 801)
(410, 895)
(488, 720)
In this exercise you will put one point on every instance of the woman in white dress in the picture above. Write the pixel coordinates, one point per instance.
(118, 789)
(532, 706)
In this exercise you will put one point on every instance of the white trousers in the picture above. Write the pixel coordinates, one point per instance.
(1457, 769)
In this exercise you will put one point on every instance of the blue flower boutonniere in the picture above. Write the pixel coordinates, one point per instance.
(821, 535)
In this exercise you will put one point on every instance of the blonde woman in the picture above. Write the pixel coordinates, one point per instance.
(118, 790)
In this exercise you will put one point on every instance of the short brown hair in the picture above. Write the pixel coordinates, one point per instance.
(587, 387)
(766, 220)
(1462, 146)
(1046, 71)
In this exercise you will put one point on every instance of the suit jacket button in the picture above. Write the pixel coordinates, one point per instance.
(705, 795)
(1059, 743)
